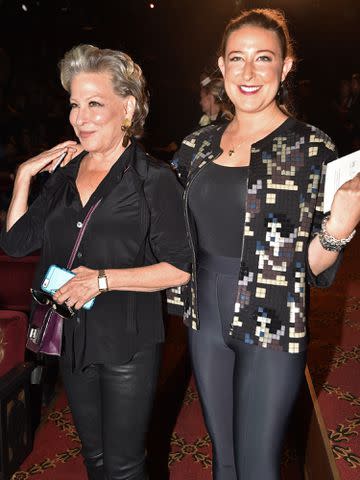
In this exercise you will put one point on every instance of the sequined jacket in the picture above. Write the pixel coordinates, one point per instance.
(283, 212)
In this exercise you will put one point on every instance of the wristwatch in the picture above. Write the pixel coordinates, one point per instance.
(102, 281)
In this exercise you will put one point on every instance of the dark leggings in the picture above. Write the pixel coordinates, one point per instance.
(247, 392)
(111, 407)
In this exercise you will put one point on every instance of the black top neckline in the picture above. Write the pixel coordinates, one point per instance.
(236, 167)
(110, 180)
(71, 170)
(287, 124)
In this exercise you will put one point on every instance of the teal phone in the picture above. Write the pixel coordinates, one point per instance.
(55, 278)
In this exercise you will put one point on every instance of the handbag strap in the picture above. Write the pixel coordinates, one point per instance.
(81, 234)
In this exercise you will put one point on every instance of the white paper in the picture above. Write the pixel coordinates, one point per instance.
(337, 173)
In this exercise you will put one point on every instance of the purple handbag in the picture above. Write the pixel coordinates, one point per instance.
(45, 331)
(46, 324)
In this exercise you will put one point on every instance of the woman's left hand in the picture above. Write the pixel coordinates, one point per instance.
(80, 289)
(345, 209)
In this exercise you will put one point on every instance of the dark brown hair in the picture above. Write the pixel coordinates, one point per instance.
(267, 18)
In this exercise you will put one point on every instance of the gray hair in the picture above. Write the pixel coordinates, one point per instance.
(127, 77)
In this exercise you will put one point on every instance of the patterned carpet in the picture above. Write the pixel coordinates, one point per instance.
(178, 441)
(334, 360)
(56, 454)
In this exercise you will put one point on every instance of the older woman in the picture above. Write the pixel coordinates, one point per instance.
(253, 205)
(134, 246)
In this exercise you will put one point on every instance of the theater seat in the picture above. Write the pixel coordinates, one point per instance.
(16, 275)
(16, 432)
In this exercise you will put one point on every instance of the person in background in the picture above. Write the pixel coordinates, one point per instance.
(212, 101)
(338, 118)
(343, 99)
(135, 245)
(214, 107)
(253, 210)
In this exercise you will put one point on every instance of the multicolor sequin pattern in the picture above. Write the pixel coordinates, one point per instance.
(283, 211)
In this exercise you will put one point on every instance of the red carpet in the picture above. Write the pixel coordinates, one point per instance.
(333, 361)
(56, 453)
(190, 455)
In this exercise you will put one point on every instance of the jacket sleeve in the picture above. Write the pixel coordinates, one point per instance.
(325, 278)
(168, 237)
(184, 157)
(26, 235)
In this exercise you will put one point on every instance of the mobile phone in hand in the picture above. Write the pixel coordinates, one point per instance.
(55, 278)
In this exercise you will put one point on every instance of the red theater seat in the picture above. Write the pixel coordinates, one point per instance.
(16, 433)
(16, 275)
(13, 327)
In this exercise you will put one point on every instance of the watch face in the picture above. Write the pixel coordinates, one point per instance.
(102, 283)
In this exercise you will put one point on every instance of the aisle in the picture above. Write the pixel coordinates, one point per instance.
(334, 360)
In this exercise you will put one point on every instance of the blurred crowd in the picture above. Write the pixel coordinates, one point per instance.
(338, 116)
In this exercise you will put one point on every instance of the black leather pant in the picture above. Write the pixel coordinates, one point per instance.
(247, 392)
(111, 407)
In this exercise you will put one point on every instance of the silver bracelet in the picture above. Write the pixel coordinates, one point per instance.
(329, 242)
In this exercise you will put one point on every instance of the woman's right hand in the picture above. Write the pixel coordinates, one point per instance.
(47, 161)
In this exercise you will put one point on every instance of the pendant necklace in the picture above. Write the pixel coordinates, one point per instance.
(232, 150)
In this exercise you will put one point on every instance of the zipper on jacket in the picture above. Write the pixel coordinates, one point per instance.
(187, 221)
(242, 240)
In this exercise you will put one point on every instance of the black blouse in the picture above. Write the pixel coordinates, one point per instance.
(114, 238)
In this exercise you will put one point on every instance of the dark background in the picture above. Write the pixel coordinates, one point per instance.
(173, 42)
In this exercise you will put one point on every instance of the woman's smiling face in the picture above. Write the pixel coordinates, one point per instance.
(253, 67)
(97, 112)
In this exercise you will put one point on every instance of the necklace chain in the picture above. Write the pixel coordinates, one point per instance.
(232, 150)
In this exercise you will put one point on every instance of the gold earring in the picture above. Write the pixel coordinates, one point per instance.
(125, 127)
(126, 124)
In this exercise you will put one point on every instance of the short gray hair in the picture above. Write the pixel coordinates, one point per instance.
(127, 77)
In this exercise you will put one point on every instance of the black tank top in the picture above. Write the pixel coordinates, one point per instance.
(217, 203)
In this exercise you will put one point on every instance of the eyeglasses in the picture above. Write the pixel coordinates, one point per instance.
(44, 298)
